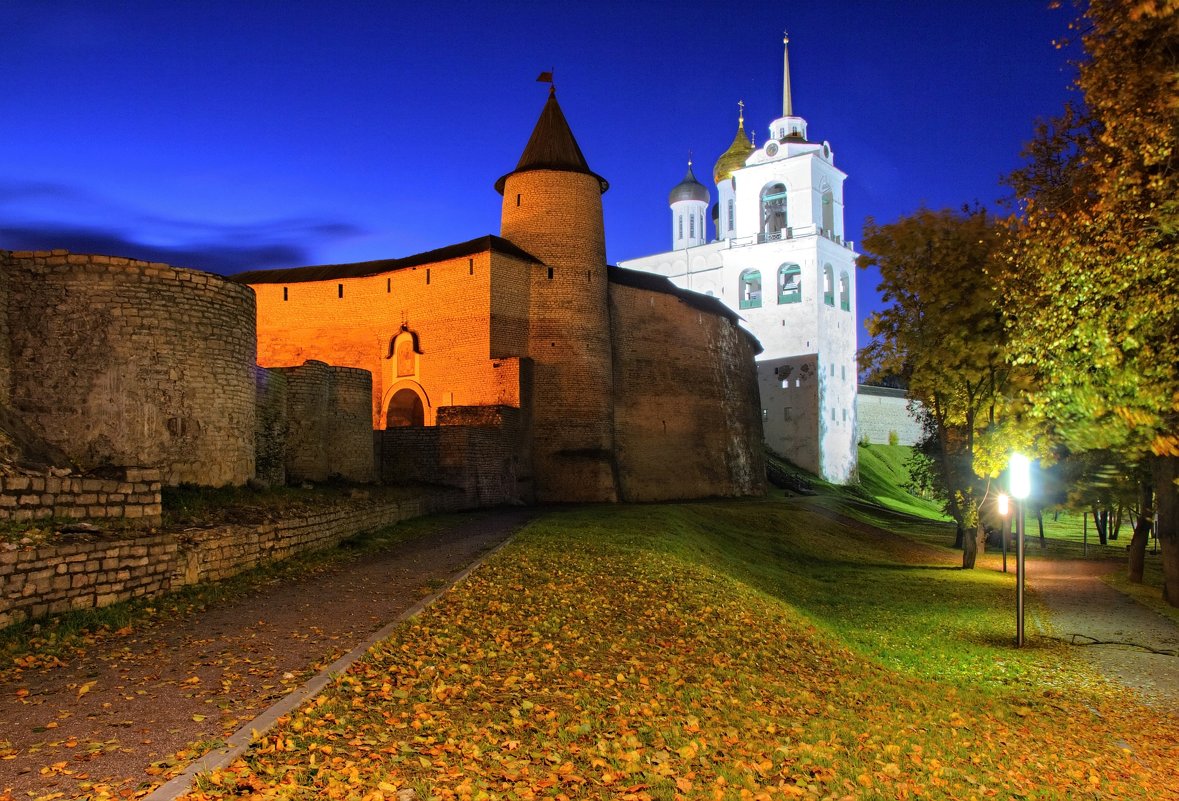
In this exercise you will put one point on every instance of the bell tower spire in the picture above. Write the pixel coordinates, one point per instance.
(788, 127)
(787, 105)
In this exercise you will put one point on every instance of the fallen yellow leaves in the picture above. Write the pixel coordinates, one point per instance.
(579, 664)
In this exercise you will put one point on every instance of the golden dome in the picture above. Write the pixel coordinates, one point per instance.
(733, 159)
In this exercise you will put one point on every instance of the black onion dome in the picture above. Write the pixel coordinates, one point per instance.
(688, 189)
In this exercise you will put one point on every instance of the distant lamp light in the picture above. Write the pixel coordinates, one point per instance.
(1003, 507)
(1020, 477)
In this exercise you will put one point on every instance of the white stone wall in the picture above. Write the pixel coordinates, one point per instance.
(880, 411)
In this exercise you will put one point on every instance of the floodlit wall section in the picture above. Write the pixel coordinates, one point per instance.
(469, 316)
(124, 362)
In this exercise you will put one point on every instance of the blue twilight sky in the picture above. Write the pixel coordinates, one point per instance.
(258, 133)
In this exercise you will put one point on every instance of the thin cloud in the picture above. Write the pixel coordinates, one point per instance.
(216, 257)
(102, 226)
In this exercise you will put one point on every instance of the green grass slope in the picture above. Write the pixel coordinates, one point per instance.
(783, 648)
(883, 475)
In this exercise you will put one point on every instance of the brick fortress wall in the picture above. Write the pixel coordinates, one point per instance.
(685, 400)
(469, 315)
(125, 362)
(477, 449)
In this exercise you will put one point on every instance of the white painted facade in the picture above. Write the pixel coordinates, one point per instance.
(781, 261)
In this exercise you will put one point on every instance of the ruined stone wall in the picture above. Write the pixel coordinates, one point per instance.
(687, 423)
(474, 449)
(93, 573)
(463, 335)
(350, 432)
(557, 217)
(5, 357)
(132, 494)
(328, 430)
(270, 427)
(124, 362)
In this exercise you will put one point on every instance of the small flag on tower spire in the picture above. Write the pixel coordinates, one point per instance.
(545, 77)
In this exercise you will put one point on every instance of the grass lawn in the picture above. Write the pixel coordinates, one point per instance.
(765, 649)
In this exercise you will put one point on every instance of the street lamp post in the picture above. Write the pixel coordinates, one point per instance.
(1004, 508)
(1020, 479)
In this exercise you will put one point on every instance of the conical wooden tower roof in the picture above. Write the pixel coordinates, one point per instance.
(552, 147)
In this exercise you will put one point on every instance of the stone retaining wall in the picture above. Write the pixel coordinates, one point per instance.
(131, 493)
(97, 572)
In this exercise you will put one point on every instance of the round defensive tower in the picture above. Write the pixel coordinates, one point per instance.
(552, 208)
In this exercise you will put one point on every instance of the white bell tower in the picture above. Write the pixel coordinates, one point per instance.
(781, 260)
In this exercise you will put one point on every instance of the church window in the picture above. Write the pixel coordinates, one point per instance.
(427, 275)
(692, 226)
(339, 290)
(680, 229)
(786, 413)
(285, 296)
(773, 211)
(789, 284)
(828, 285)
(470, 266)
(749, 289)
(845, 291)
(517, 200)
(550, 273)
(765, 414)
(388, 284)
(732, 216)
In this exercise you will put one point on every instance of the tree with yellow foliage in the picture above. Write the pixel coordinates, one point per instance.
(1091, 290)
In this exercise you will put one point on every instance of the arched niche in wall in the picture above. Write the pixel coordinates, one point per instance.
(405, 352)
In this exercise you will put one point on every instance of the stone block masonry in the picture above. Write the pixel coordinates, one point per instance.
(124, 362)
(94, 573)
(329, 428)
(129, 493)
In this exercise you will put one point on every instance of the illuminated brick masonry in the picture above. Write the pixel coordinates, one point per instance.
(597, 383)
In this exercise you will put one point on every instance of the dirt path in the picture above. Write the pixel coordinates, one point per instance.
(119, 714)
(1113, 632)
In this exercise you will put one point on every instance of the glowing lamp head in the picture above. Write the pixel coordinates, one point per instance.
(1003, 506)
(1020, 476)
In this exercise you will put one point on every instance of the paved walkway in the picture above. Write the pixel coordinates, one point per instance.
(138, 704)
(1124, 640)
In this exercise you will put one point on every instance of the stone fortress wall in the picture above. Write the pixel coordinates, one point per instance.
(329, 430)
(118, 364)
(685, 409)
(883, 411)
(131, 363)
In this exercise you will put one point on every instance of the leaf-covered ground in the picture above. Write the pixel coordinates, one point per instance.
(704, 651)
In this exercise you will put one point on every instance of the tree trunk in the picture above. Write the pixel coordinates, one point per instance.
(1138, 542)
(959, 535)
(1117, 523)
(1166, 473)
(1040, 521)
(1099, 521)
(974, 544)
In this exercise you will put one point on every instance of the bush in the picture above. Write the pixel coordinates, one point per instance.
(893, 439)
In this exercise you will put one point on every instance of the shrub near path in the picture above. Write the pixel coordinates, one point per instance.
(656, 652)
